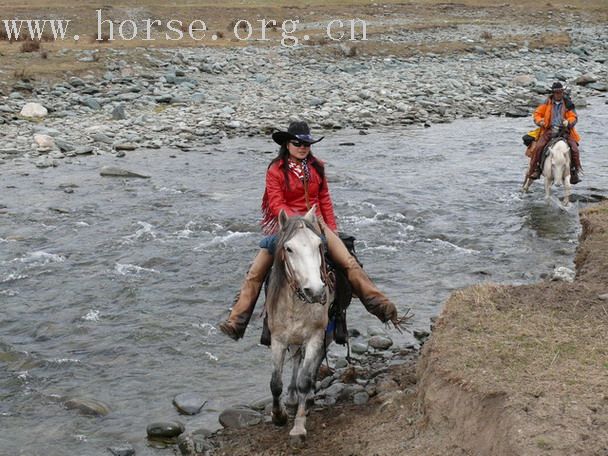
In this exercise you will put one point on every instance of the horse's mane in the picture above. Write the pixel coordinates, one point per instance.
(278, 277)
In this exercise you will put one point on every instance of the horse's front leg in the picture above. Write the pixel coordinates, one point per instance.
(548, 183)
(279, 417)
(567, 188)
(313, 355)
(292, 391)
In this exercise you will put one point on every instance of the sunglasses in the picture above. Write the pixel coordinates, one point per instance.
(299, 144)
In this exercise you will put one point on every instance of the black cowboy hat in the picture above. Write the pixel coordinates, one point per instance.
(557, 86)
(298, 130)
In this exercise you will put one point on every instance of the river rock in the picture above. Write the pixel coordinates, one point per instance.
(165, 429)
(88, 406)
(124, 450)
(376, 331)
(118, 113)
(64, 146)
(83, 150)
(34, 110)
(516, 112)
(563, 274)
(585, 79)
(125, 146)
(261, 404)
(421, 335)
(240, 417)
(189, 403)
(113, 171)
(45, 162)
(92, 103)
(380, 342)
(360, 398)
(44, 142)
(195, 443)
(334, 390)
(603, 297)
(359, 348)
(102, 137)
(524, 80)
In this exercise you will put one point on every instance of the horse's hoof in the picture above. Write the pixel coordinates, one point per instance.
(297, 440)
(280, 418)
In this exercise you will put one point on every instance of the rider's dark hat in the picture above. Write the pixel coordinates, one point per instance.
(557, 86)
(298, 130)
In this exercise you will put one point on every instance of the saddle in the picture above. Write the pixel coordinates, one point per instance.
(342, 298)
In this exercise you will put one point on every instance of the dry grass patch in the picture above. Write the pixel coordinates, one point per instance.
(515, 338)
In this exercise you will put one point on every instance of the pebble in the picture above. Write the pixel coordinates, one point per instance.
(361, 398)
(380, 342)
(240, 417)
(88, 406)
(189, 403)
(563, 274)
(125, 450)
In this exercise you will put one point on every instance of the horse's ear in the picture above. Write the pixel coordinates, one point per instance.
(282, 218)
(310, 216)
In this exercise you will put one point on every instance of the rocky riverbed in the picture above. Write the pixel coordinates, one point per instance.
(191, 97)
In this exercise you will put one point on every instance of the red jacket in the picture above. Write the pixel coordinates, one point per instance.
(293, 199)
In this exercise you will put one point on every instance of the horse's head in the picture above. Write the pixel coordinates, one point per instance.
(300, 248)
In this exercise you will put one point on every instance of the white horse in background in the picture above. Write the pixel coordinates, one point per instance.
(556, 170)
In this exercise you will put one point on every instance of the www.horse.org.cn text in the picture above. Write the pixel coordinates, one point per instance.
(269, 30)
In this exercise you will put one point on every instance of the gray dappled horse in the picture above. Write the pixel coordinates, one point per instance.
(297, 303)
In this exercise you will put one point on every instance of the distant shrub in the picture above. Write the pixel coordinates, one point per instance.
(30, 46)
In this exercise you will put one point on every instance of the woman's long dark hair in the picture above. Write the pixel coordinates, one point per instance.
(312, 160)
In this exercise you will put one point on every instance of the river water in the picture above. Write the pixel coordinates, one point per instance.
(112, 288)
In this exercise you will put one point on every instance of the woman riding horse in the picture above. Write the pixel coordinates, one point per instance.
(295, 182)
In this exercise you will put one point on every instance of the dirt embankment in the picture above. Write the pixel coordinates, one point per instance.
(508, 371)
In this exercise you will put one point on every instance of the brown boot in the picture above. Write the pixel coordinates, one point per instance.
(576, 168)
(373, 299)
(534, 171)
(242, 309)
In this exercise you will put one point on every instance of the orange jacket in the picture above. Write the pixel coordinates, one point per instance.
(545, 111)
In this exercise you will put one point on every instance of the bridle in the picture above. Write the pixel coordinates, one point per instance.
(326, 276)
